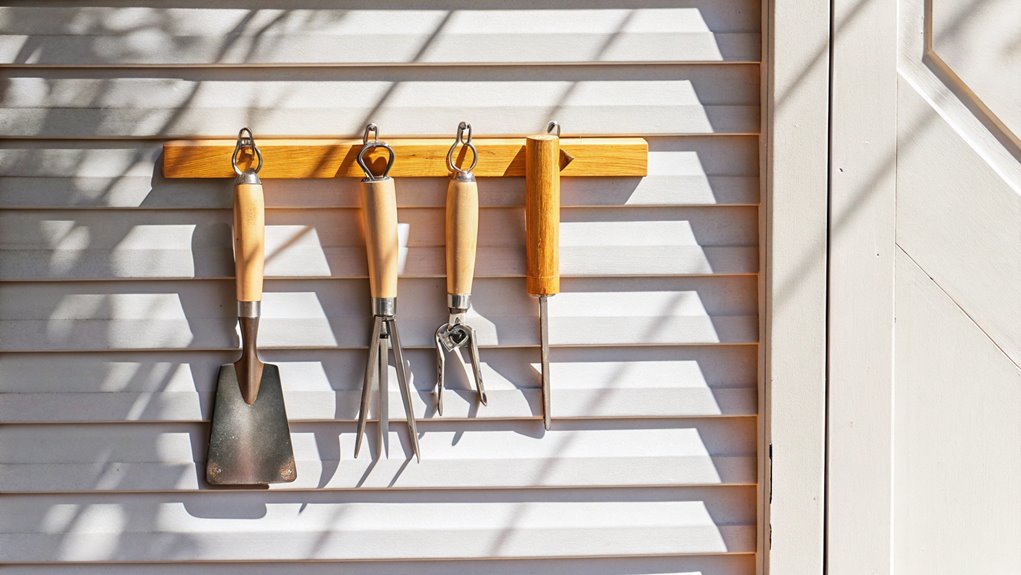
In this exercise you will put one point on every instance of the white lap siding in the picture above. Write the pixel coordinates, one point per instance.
(116, 292)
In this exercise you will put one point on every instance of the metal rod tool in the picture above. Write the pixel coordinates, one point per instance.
(249, 440)
(542, 236)
(379, 220)
(462, 232)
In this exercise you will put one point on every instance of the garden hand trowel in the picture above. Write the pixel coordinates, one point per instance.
(250, 442)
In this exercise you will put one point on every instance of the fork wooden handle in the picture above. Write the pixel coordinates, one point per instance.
(379, 223)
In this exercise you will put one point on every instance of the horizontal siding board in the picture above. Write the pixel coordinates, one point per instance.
(154, 192)
(278, 525)
(693, 170)
(116, 36)
(678, 565)
(171, 457)
(323, 385)
(321, 405)
(200, 314)
(171, 334)
(97, 245)
(668, 99)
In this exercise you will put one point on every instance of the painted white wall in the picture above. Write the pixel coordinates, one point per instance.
(925, 402)
(116, 300)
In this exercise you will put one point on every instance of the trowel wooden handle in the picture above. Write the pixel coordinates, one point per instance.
(462, 235)
(379, 222)
(542, 214)
(249, 240)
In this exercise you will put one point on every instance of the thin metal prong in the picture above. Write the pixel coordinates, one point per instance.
(473, 353)
(547, 416)
(384, 392)
(440, 359)
(370, 372)
(402, 381)
(464, 366)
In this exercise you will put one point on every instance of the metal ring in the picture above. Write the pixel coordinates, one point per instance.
(245, 142)
(375, 143)
(553, 125)
(466, 142)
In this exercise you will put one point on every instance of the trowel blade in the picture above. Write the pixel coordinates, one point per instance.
(249, 444)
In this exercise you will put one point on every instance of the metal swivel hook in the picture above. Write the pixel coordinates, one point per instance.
(375, 143)
(245, 141)
(465, 141)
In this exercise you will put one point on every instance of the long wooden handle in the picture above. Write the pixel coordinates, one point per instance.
(249, 240)
(462, 235)
(542, 214)
(379, 221)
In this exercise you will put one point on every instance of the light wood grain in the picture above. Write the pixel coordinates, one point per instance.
(542, 214)
(462, 231)
(498, 157)
(249, 241)
(686, 170)
(379, 225)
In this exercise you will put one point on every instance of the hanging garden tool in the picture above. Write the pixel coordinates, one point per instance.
(462, 232)
(379, 220)
(250, 442)
(542, 236)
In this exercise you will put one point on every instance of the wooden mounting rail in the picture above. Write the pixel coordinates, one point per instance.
(290, 159)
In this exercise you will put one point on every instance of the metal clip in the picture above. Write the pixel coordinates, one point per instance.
(375, 143)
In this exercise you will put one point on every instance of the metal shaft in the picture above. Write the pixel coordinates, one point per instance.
(248, 366)
(547, 416)
(371, 373)
(405, 387)
(384, 389)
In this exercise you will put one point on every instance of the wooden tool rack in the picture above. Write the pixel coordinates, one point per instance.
(415, 157)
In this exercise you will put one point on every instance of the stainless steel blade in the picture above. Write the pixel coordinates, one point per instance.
(249, 444)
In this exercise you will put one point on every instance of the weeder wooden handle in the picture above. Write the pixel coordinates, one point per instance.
(462, 235)
(542, 214)
(249, 240)
(379, 221)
